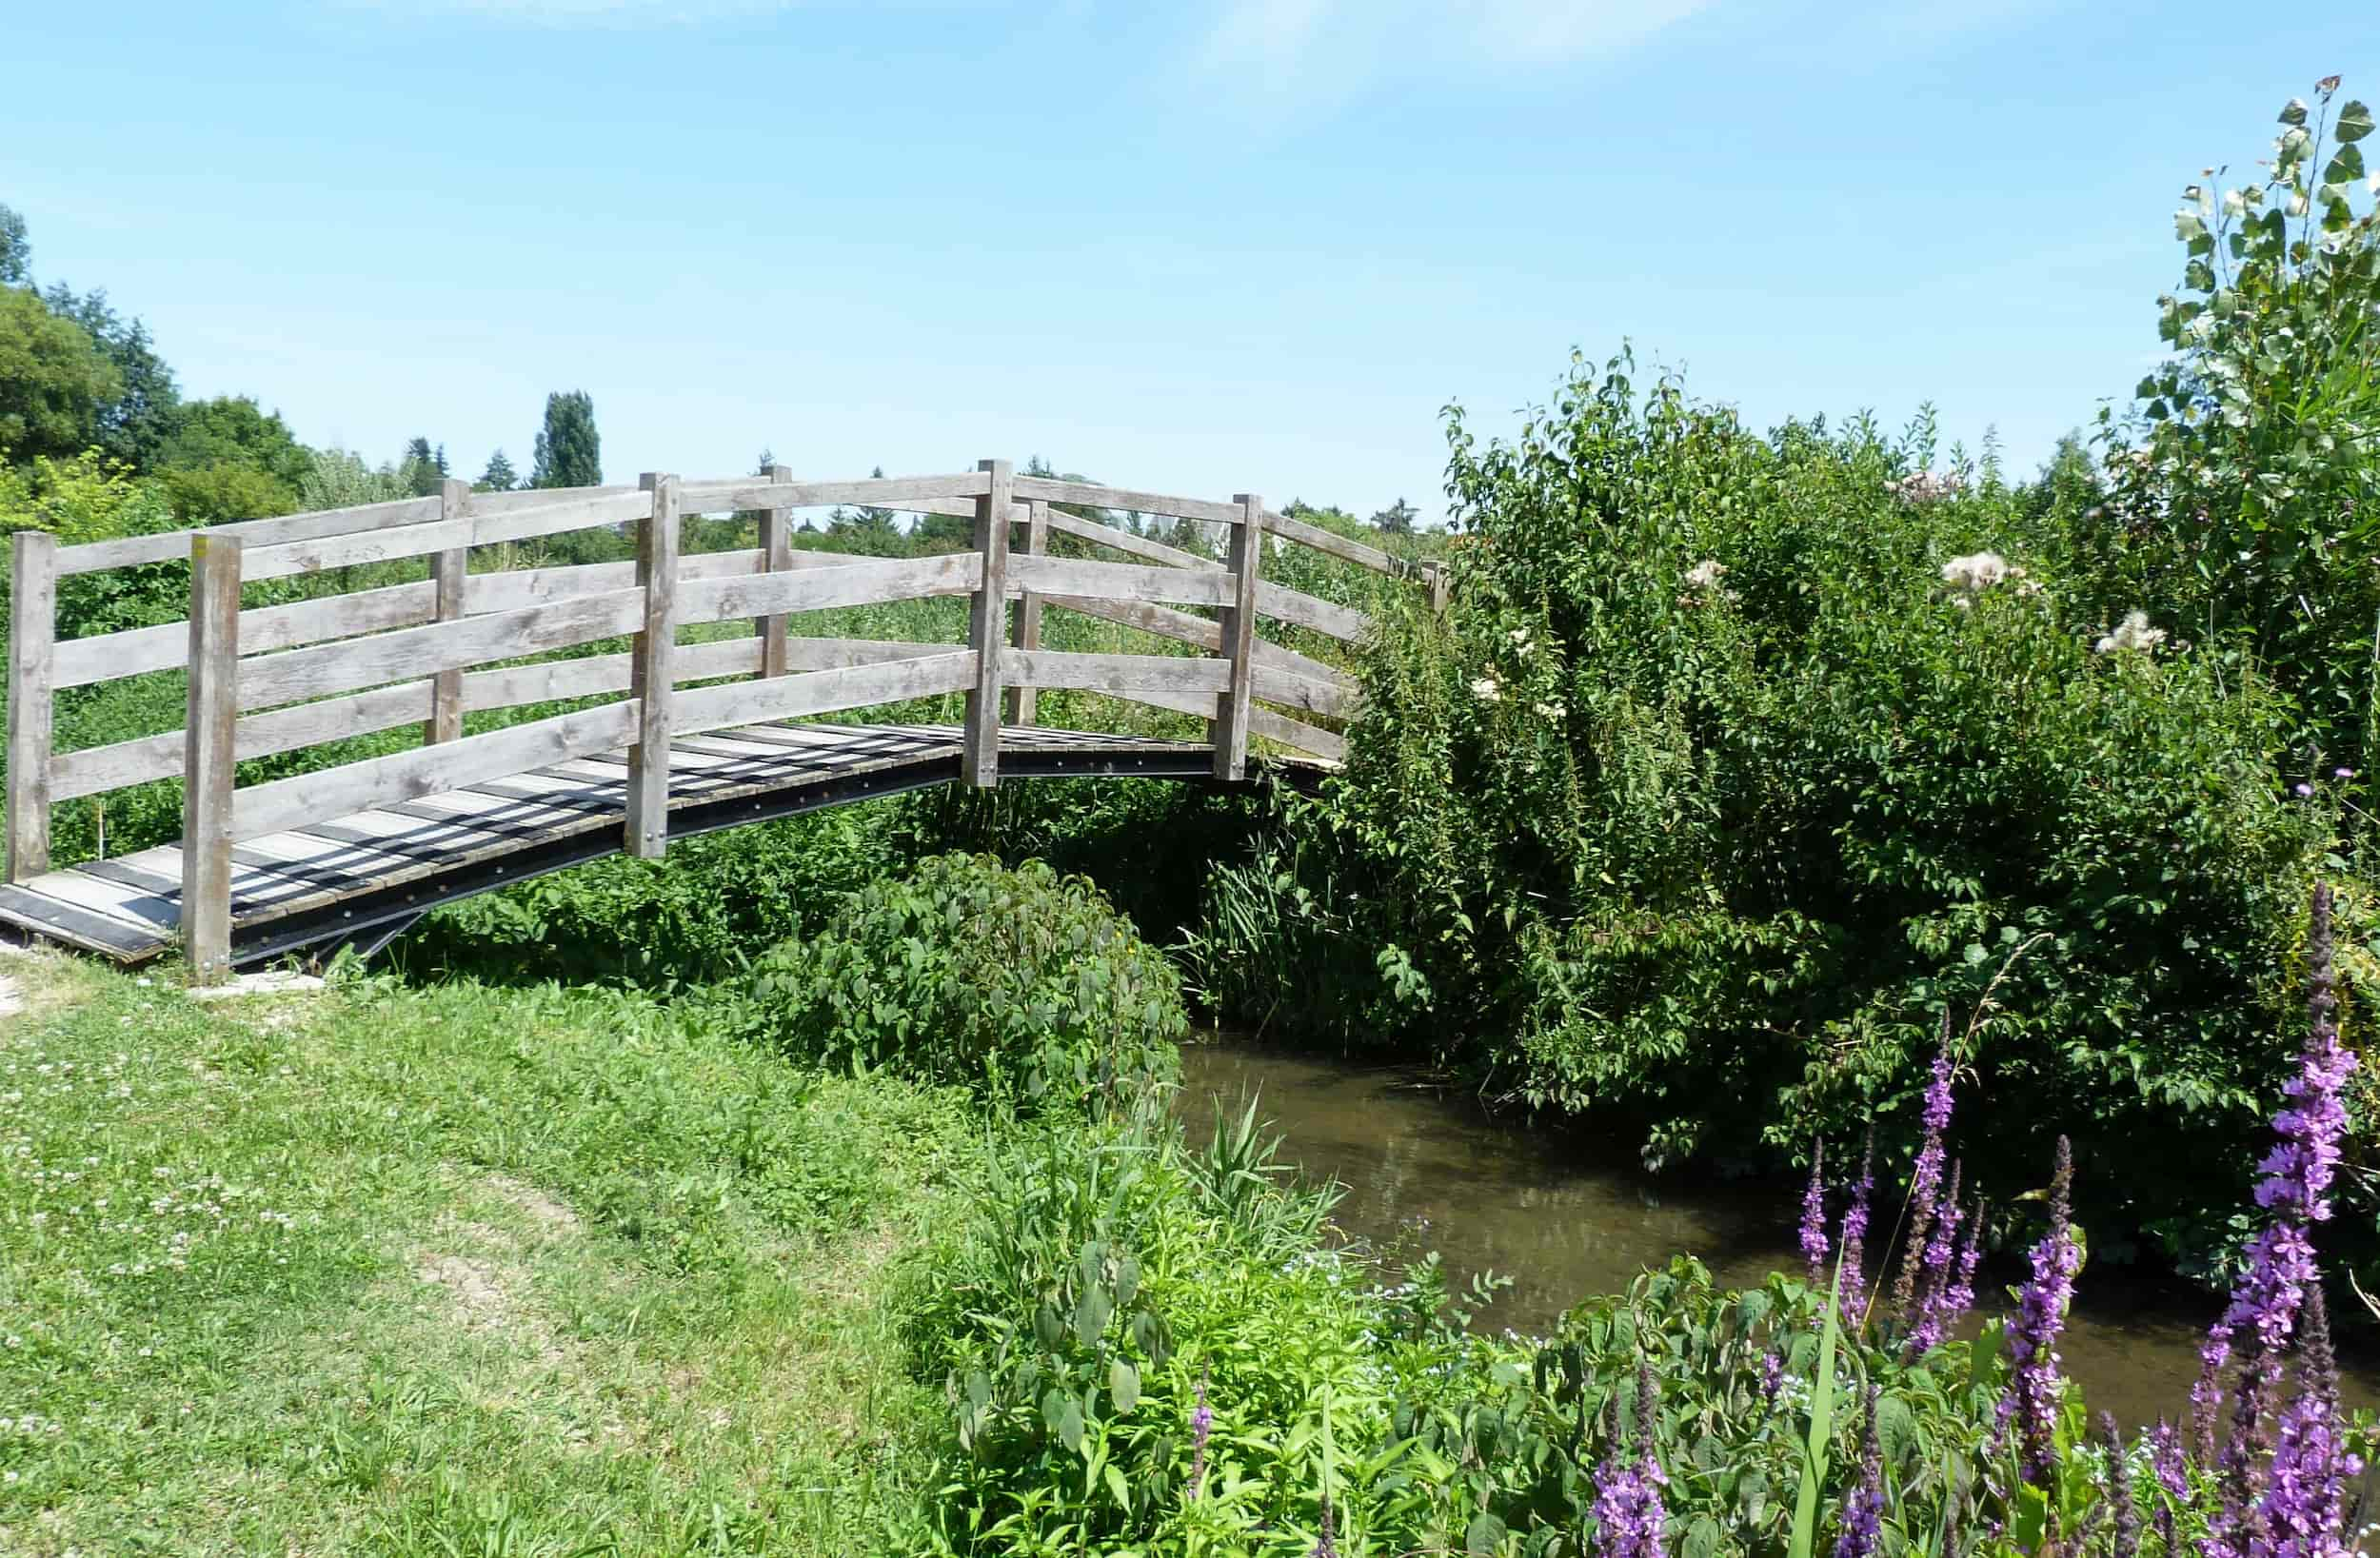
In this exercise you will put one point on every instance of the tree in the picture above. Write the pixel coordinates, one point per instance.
(570, 451)
(421, 468)
(132, 427)
(340, 479)
(234, 430)
(1396, 519)
(499, 476)
(16, 253)
(55, 380)
(223, 491)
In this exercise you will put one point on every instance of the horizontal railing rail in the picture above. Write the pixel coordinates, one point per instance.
(273, 679)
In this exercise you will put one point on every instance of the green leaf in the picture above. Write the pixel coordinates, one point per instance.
(1123, 1384)
(1046, 1326)
(2354, 125)
(2293, 113)
(1805, 1535)
(1116, 1485)
(1702, 1538)
(1485, 1534)
(1070, 1423)
(1091, 1314)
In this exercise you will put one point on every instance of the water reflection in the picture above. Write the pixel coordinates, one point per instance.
(1568, 1218)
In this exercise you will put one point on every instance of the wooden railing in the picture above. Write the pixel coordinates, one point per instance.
(274, 678)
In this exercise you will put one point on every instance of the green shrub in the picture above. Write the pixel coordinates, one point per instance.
(1715, 849)
(1024, 984)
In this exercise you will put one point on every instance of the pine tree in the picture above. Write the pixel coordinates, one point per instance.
(419, 470)
(499, 476)
(570, 451)
(1396, 519)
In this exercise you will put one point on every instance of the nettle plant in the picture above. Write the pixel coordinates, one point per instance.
(2249, 470)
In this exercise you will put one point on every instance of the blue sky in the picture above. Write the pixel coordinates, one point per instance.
(1216, 247)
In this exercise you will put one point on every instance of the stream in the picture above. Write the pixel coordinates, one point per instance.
(1425, 1170)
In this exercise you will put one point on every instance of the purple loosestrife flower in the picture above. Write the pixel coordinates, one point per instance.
(2306, 1498)
(2126, 1540)
(1925, 1182)
(1863, 1511)
(1934, 1275)
(1772, 1378)
(2294, 1190)
(1961, 1296)
(1813, 1219)
(2033, 1389)
(1202, 1423)
(1628, 1509)
(1854, 1237)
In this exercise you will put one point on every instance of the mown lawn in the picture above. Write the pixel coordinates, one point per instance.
(448, 1271)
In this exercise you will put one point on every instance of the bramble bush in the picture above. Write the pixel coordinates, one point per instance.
(1022, 984)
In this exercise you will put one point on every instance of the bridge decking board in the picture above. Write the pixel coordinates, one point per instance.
(302, 887)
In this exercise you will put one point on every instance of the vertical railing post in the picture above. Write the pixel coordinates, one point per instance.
(1229, 729)
(1027, 629)
(776, 557)
(32, 662)
(1436, 575)
(208, 734)
(449, 570)
(987, 616)
(653, 672)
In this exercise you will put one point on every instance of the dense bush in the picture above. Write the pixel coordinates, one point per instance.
(1741, 762)
(1024, 984)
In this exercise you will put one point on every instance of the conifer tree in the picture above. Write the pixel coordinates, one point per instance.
(570, 451)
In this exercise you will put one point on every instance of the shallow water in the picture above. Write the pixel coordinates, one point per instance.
(1426, 1171)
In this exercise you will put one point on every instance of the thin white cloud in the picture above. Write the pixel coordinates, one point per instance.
(1335, 44)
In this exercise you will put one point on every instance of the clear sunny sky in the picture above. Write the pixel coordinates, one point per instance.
(1213, 246)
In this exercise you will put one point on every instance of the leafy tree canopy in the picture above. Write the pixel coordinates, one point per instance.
(133, 425)
(234, 430)
(223, 491)
(499, 476)
(55, 380)
(16, 255)
(1396, 519)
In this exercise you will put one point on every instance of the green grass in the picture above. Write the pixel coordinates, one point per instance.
(448, 1270)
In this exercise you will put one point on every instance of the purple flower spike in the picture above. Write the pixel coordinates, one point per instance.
(1934, 1276)
(2302, 791)
(2294, 1190)
(1326, 1542)
(1961, 1296)
(1854, 1239)
(1925, 1183)
(2034, 1387)
(1628, 1509)
(1772, 1378)
(1813, 1219)
(2126, 1540)
(1202, 1423)
(2306, 1498)
(2341, 773)
(1863, 1511)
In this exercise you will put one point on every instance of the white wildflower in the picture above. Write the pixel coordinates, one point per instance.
(1521, 645)
(1977, 571)
(1487, 690)
(2133, 632)
(1550, 711)
(1706, 574)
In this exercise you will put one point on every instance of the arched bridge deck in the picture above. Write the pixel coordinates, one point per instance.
(679, 735)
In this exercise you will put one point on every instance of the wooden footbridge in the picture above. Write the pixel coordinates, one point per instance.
(666, 738)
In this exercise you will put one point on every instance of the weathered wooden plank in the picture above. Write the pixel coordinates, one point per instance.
(323, 669)
(1237, 623)
(352, 550)
(719, 497)
(449, 573)
(1090, 495)
(553, 518)
(987, 612)
(1335, 545)
(1277, 727)
(139, 908)
(62, 921)
(1307, 693)
(210, 714)
(1123, 580)
(829, 653)
(1344, 623)
(174, 545)
(107, 656)
(653, 677)
(521, 498)
(823, 692)
(405, 776)
(1124, 541)
(96, 769)
(817, 589)
(1026, 631)
(776, 557)
(1204, 632)
(1115, 673)
(32, 681)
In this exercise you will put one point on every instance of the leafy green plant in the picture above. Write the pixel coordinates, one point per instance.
(1020, 983)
